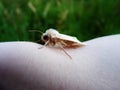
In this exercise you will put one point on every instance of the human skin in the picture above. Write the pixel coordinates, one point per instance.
(96, 66)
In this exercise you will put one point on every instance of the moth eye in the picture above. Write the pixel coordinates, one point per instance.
(45, 37)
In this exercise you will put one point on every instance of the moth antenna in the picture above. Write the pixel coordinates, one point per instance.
(36, 31)
(37, 41)
(66, 52)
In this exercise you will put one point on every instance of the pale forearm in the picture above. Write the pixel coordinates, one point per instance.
(94, 67)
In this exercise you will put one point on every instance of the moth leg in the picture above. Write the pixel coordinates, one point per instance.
(66, 52)
(44, 45)
(63, 43)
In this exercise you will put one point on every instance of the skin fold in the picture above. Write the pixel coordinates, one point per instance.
(96, 66)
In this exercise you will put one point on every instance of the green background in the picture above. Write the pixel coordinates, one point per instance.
(84, 19)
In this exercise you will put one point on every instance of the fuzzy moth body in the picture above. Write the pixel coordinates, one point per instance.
(53, 38)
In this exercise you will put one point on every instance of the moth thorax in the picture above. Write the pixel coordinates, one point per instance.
(52, 31)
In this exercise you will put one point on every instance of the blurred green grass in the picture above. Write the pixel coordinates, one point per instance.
(85, 19)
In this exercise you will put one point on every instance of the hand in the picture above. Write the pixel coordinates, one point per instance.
(96, 66)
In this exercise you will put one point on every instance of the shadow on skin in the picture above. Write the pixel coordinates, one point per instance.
(94, 67)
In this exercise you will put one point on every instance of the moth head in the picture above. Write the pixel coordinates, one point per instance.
(49, 34)
(45, 37)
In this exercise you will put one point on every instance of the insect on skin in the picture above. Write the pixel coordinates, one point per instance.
(53, 38)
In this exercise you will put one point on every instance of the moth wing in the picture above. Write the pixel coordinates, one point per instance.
(68, 41)
(67, 37)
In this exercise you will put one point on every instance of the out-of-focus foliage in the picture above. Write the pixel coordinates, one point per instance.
(85, 19)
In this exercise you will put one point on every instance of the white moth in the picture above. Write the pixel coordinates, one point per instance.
(53, 38)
